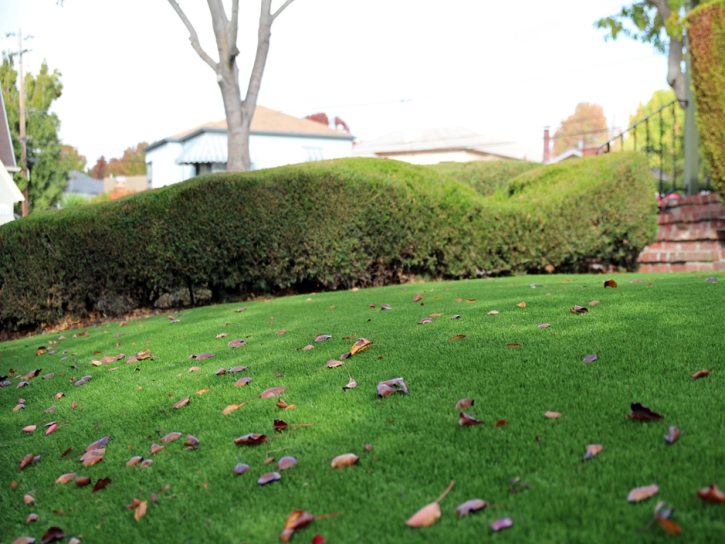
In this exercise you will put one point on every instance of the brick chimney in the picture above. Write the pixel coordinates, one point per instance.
(547, 142)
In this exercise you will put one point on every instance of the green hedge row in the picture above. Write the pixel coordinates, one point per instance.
(706, 35)
(486, 177)
(331, 224)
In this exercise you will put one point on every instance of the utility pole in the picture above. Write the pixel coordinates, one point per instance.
(692, 136)
(23, 137)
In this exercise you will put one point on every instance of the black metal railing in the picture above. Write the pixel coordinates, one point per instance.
(661, 136)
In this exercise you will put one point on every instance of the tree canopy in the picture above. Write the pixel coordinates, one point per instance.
(131, 163)
(587, 126)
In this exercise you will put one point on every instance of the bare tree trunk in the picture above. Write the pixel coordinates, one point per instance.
(675, 76)
(238, 113)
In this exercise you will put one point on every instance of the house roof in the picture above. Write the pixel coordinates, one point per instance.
(7, 156)
(78, 182)
(573, 153)
(436, 139)
(207, 147)
(264, 122)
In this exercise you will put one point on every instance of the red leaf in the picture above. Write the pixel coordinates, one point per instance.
(280, 425)
(418, 297)
(252, 439)
(642, 413)
(295, 521)
(82, 481)
(500, 423)
(25, 461)
(610, 283)
(466, 419)
(100, 484)
(711, 494)
(182, 402)
(457, 337)
(242, 382)
(53, 534)
(669, 526)
(272, 392)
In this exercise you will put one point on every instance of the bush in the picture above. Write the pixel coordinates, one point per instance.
(331, 224)
(706, 35)
(484, 176)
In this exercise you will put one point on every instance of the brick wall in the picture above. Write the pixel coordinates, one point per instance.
(690, 237)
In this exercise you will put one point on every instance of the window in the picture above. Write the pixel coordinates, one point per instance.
(5, 209)
(202, 168)
(149, 173)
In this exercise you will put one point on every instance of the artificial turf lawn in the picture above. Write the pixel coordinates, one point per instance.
(649, 339)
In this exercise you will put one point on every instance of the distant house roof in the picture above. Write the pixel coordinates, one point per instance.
(80, 183)
(436, 139)
(572, 153)
(264, 122)
(7, 155)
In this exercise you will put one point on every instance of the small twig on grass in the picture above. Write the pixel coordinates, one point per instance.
(282, 435)
(450, 486)
(325, 516)
(280, 449)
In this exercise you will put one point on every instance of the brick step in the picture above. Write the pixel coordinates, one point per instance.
(687, 245)
(666, 256)
(681, 267)
(692, 214)
(685, 232)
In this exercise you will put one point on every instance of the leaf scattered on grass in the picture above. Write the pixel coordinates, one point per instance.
(514, 345)
(308, 347)
(170, 437)
(385, 307)
(455, 316)
(711, 279)
(457, 337)
(430, 513)
(701, 373)
(464, 403)
(578, 310)
(82, 481)
(521, 304)
(272, 392)
(500, 423)
(472, 505)
(31, 517)
(418, 297)
(194, 369)
(352, 384)
(711, 494)
(229, 409)
(29, 428)
(360, 345)
(552, 415)
(65, 478)
(140, 510)
(282, 404)
(544, 325)
(252, 439)
(593, 303)
(221, 371)
(641, 493)
(286, 462)
(425, 320)
(344, 460)
(322, 337)
(269, 477)
(236, 343)
(240, 468)
(610, 283)
(590, 358)
(27, 460)
(672, 435)
(222, 334)
(201, 356)
(53, 534)
(100, 484)
(592, 450)
(239, 368)
(98, 444)
(332, 363)
(395, 385)
(202, 391)
(295, 521)
(146, 462)
(183, 402)
(191, 441)
(242, 382)
(136, 459)
(28, 499)
(493, 312)
(503, 523)
(642, 413)
(467, 419)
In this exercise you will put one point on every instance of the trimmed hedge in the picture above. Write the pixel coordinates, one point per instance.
(484, 176)
(330, 224)
(706, 35)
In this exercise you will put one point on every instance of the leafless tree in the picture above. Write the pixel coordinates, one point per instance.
(238, 112)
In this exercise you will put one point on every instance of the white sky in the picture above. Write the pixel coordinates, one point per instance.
(504, 68)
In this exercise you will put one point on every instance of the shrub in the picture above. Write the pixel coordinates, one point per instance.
(706, 35)
(330, 224)
(484, 176)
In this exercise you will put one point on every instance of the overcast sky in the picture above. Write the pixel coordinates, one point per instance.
(502, 68)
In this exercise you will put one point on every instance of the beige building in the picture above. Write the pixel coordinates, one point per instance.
(134, 184)
(433, 146)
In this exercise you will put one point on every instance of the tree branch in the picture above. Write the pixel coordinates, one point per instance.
(281, 9)
(234, 27)
(193, 38)
(675, 77)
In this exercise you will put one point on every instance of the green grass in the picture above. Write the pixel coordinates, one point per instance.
(649, 339)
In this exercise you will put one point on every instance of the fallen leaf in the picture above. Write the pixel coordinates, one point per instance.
(552, 415)
(155, 448)
(493, 312)
(100, 484)
(53, 534)
(286, 462)
(701, 373)
(418, 297)
(252, 439)
(430, 513)
(268, 478)
(29, 428)
(435, 315)
(521, 304)
(641, 493)
(642, 413)
(272, 392)
(240, 468)
(318, 539)
(239, 368)
(280, 332)
(500, 422)
(503, 523)
(201, 356)
(222, 335)
(360, 345)
(66, 452)
(170, 437)
(94, 458)
(455, 316)
(49, 376)
(25, 461)
(592, 450)
(221, 371)
(182, 402)
(590, 358)
(73, 405)
(82, 481)
(463, 404)
(322, 337)
(191, 441)
(65, 478)
(514, 345)
(593, 303)
(236, 343)
(202, 391)
(544, 326)
(669, 526)
(140, 511)
(308, 347)
(229, 409)
(50, 409)
(457, 337)
(385, 307)
(344, 460)
(98, 444)
(332, 363)
(31, 517)
(194, 369)
(425, 320)
(466, 419)
(472, 505)
(345, 355)
(672, 436)
(352, 384)
(578, 310)
(610, 283)
(134, 504)
(146, 462)
(242, 382)
(18, 407)
(395, 385)
(295, 521)
(134, 460)
(59, 395)
(28, 499)
(41, 350)
(471, 300)
(711, 494)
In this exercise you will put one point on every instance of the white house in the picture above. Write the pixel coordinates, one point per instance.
(9, 192)
(436, 145)
(275, 139)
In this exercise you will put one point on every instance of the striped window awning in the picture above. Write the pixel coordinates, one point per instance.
(207, 147)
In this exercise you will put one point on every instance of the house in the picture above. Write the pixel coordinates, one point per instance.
(82, 185)
(125, 184)
(275, 139)
(572, 153)
(432, 146)
(9, 192)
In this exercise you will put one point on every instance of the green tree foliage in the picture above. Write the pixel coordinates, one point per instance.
(48, 172)
(73, 158)
(640, 21)
(585, 128)
(132, 163)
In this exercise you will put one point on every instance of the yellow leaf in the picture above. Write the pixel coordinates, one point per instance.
(229, 409)
(140, 511)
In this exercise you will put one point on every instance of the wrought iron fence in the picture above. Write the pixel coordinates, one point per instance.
(661, 136)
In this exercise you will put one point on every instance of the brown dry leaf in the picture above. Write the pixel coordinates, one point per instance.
(457, 337)
(155, 448)
(642, 493)
(435, 315)
(286, 462)
(236, 343)
(29, 428)
(239, 368)
(296, 520)
(59, 395)
(18, 407)
(202, 391)
(134, 503)
(463, 404)
(241, 382)
(268, 478)
(493, 312)
(578, 310)
(308, 347)
(430, 513)
(229, 409)
(53, 534)
(82, 481)
(183, 402)
(98, 444)
(352, 384)
(500, 422)
(272, 392)
(100, 484)
(425, 320)
(521, 304)
(221, 371)
(610, 283)
(25, 461)
(711, 494)
(418, 297)
(466, 419)
(544, 326)
(134, 460)
(170, 437)
(592, 450)
(240, 468)
(65, 478)
(332, 363)
(222, 335)
(73, 405)
(701, 373)
(514, 345)
(669, 526)
(279, 425)
(93, 459)
(360, 345)
(280, 332)
(252, 439)
(472, 505)
(140, 510)
(344, 460)
(191, 441)
(194, 369)
(66, 452)
(93, 453)
(322, 337)
(471, 300)
(28, 499)
(49, 409)
(672, 436)
(146, 462)
(31, 517)
(593, 303)
(552, 415)
(642, 413)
